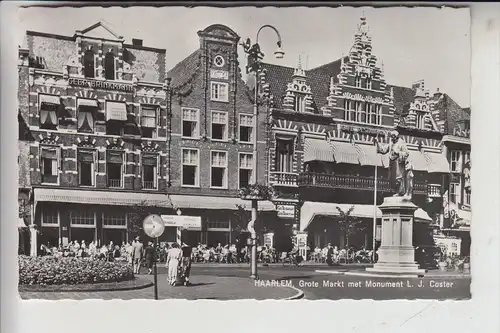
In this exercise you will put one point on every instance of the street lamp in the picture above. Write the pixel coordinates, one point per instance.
(254, 57)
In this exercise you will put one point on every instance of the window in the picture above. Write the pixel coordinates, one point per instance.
(455, 193)
(114, 220)
(368, 83)
(246, 128)
(89, 64)
(219, 169)
(360, 111)
(378, 111)
(358, 82)
(372, 113)
(109, 66)
(50, 216)
(114, 166)
(284, 155)
(211, 224)
(246, 167)
(190, 167)
(49, 165)
(48, 107)
(219, 125)
(219, 92)
(300, 103)
(149, 117)
(467, 197)
(420, 120)
(455, 161)
(219, 61)
(149, 172)
(82, 218)
(86, 167)
(349, 111)
(114, 127)
(86, 109)
(190, 123)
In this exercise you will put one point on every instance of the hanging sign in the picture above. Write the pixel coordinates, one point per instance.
(182, 221)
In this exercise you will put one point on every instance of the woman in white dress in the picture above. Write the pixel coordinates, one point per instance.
(173, 257)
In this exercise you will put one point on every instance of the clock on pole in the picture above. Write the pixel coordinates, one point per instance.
(153, 226)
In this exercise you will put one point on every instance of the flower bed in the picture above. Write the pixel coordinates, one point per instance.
(49, 270)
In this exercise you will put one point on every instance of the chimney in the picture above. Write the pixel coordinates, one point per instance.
(136, 42)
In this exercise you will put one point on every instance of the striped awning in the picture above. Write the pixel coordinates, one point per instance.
(49, 99)
(418, 160)
(368, 155)
(318, 150)
(116, 111)
(345, 152)
(310, 210)
(87, 102)
(211, 202)
(101, 197)
(437, 163)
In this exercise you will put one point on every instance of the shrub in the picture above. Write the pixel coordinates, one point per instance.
(49, 270)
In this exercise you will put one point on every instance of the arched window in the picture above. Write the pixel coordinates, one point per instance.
(89, 64)
(109, 66)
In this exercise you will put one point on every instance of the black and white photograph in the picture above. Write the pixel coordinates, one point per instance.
(244, 153)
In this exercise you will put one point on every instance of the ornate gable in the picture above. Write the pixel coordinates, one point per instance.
(100, 30)
(298, 95)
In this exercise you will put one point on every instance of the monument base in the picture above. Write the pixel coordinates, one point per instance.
(396, 253)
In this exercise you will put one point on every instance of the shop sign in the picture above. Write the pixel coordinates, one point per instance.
(98, 84)
(286, 211)
(185, 222)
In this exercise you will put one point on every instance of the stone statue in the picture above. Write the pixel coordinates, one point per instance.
(400, 167)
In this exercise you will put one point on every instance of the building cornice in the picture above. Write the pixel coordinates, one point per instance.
(456, 139)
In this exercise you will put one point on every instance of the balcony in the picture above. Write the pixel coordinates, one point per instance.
(348, 182)
(115, 183)
(148, 185)
(278, 178)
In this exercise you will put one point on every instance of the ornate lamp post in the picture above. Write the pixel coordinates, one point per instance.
(254, 65)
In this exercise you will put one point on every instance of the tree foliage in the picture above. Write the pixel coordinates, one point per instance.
(348, 224)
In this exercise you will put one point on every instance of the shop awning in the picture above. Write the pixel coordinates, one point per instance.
(345, 152)
(437, 163)
(101, 197)
(87, 102)
(49, 99)
(116, 111)
(368, 155)
(311, 209)
(210, 202)
(418, 160)
(318, 150)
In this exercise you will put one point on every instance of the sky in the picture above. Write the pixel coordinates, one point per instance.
(413, 43)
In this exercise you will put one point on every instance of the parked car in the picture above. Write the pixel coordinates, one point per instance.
(427, 257)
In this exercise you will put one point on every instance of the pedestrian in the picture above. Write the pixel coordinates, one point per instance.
(149, 253)
(137, 254)
(174, 255)
(329, 255)
(186, 263)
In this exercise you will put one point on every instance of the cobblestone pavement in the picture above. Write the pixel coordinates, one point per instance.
(203, 287)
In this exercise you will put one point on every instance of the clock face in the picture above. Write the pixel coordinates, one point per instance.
(154, 226)
(219, 61)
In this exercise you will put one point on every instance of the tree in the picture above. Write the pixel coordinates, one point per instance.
(349, 224)
(241, 219)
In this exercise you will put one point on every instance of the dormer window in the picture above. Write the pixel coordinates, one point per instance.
(300, 103)
(89, 64)
(109, 66)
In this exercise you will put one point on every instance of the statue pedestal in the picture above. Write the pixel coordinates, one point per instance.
(396, 254)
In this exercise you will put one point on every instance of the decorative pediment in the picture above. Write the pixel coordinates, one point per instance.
(219, 30)
(115, 97)
(149, 147)
(48, 138)
(115, 143)
(151, 92)
(100, 30)
(86, 142)
(284, 124)
(298, 91)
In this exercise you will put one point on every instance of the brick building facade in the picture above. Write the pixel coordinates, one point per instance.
(93, 134)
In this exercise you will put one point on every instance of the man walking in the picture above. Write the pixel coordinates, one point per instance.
(137, 254)
(186, 262)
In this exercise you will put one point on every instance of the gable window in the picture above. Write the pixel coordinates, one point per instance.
(284, 155)
(219, 92)
(455, 193)
(86, 167)
(86, 109)
(219, 169)
(300, 103)
(149, 117)
(114, 168)
(349, 111)
(420, 120)
(149, 171)
(246, 128)
(48, 107)
(455, 160)
(190, 123)
(368, 83)
(360, 111)
(109, 66)
(372, 113)
(219, 125)
(246, 167)
(358, 82)
(89, 64)
(49, 165)
(190, 167)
